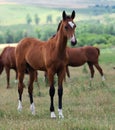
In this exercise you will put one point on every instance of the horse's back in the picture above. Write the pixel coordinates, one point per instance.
(90, 50)
(8, 56)
(76, 56)
(92, 53)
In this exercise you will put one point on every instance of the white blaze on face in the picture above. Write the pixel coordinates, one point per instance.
(71, 24)
(73, 38)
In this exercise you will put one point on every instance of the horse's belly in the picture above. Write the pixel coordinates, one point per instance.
(36, 64)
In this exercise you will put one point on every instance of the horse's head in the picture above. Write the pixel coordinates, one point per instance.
(69, 26)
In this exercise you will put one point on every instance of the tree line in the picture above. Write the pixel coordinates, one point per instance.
(87, 33)
(36, 19)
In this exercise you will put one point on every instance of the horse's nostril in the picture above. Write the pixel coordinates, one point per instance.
(74, 43)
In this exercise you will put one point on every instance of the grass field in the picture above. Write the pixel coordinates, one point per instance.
(86, 105)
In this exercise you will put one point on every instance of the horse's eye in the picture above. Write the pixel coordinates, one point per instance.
(66, 27)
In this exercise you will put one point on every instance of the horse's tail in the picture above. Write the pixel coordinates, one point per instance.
(1, 65)
(98, 50)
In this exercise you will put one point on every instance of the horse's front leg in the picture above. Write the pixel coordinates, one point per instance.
(30, 91)
(20, 90)
(51, 93)
(61, 76)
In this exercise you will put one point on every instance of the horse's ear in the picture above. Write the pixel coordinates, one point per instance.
(73, 14)
(64, 15)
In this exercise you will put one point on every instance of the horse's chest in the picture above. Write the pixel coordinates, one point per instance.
(56, 62)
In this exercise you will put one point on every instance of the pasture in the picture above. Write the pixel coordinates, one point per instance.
(86, 105)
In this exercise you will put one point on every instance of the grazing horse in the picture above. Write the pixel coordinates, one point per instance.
(47, 56)
(8, 61)
(81, 55)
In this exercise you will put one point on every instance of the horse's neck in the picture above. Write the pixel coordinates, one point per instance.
(61, 43)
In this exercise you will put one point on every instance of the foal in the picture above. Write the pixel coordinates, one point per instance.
(82, 55)
(47, 56)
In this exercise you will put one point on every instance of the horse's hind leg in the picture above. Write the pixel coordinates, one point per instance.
(30, 90)
(92, 71)
(8, 76)
(100, 71)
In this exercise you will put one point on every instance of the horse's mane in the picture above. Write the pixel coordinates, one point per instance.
(57, 29)
(59, 25)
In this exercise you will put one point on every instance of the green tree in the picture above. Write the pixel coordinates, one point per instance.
(49, 19)
(37, 19)
(2, 39)
(9, 37)
(28, 19)
(38, 33)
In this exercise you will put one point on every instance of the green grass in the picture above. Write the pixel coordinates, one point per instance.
(108, 56)
(86, 106)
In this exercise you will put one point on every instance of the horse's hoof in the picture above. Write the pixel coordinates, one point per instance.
(32, 108)
(103, 78)
(19, 106)
(15, 81)
(53, 116)
(61, 116)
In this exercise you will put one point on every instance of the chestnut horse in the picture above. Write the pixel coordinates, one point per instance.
(82, 55)
(8, 61)
(47, 56)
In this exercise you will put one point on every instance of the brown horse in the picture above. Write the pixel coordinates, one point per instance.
(47, 56)
(82, 55)
(8, 61)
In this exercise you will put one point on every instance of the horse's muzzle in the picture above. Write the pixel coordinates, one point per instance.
(73, 43)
